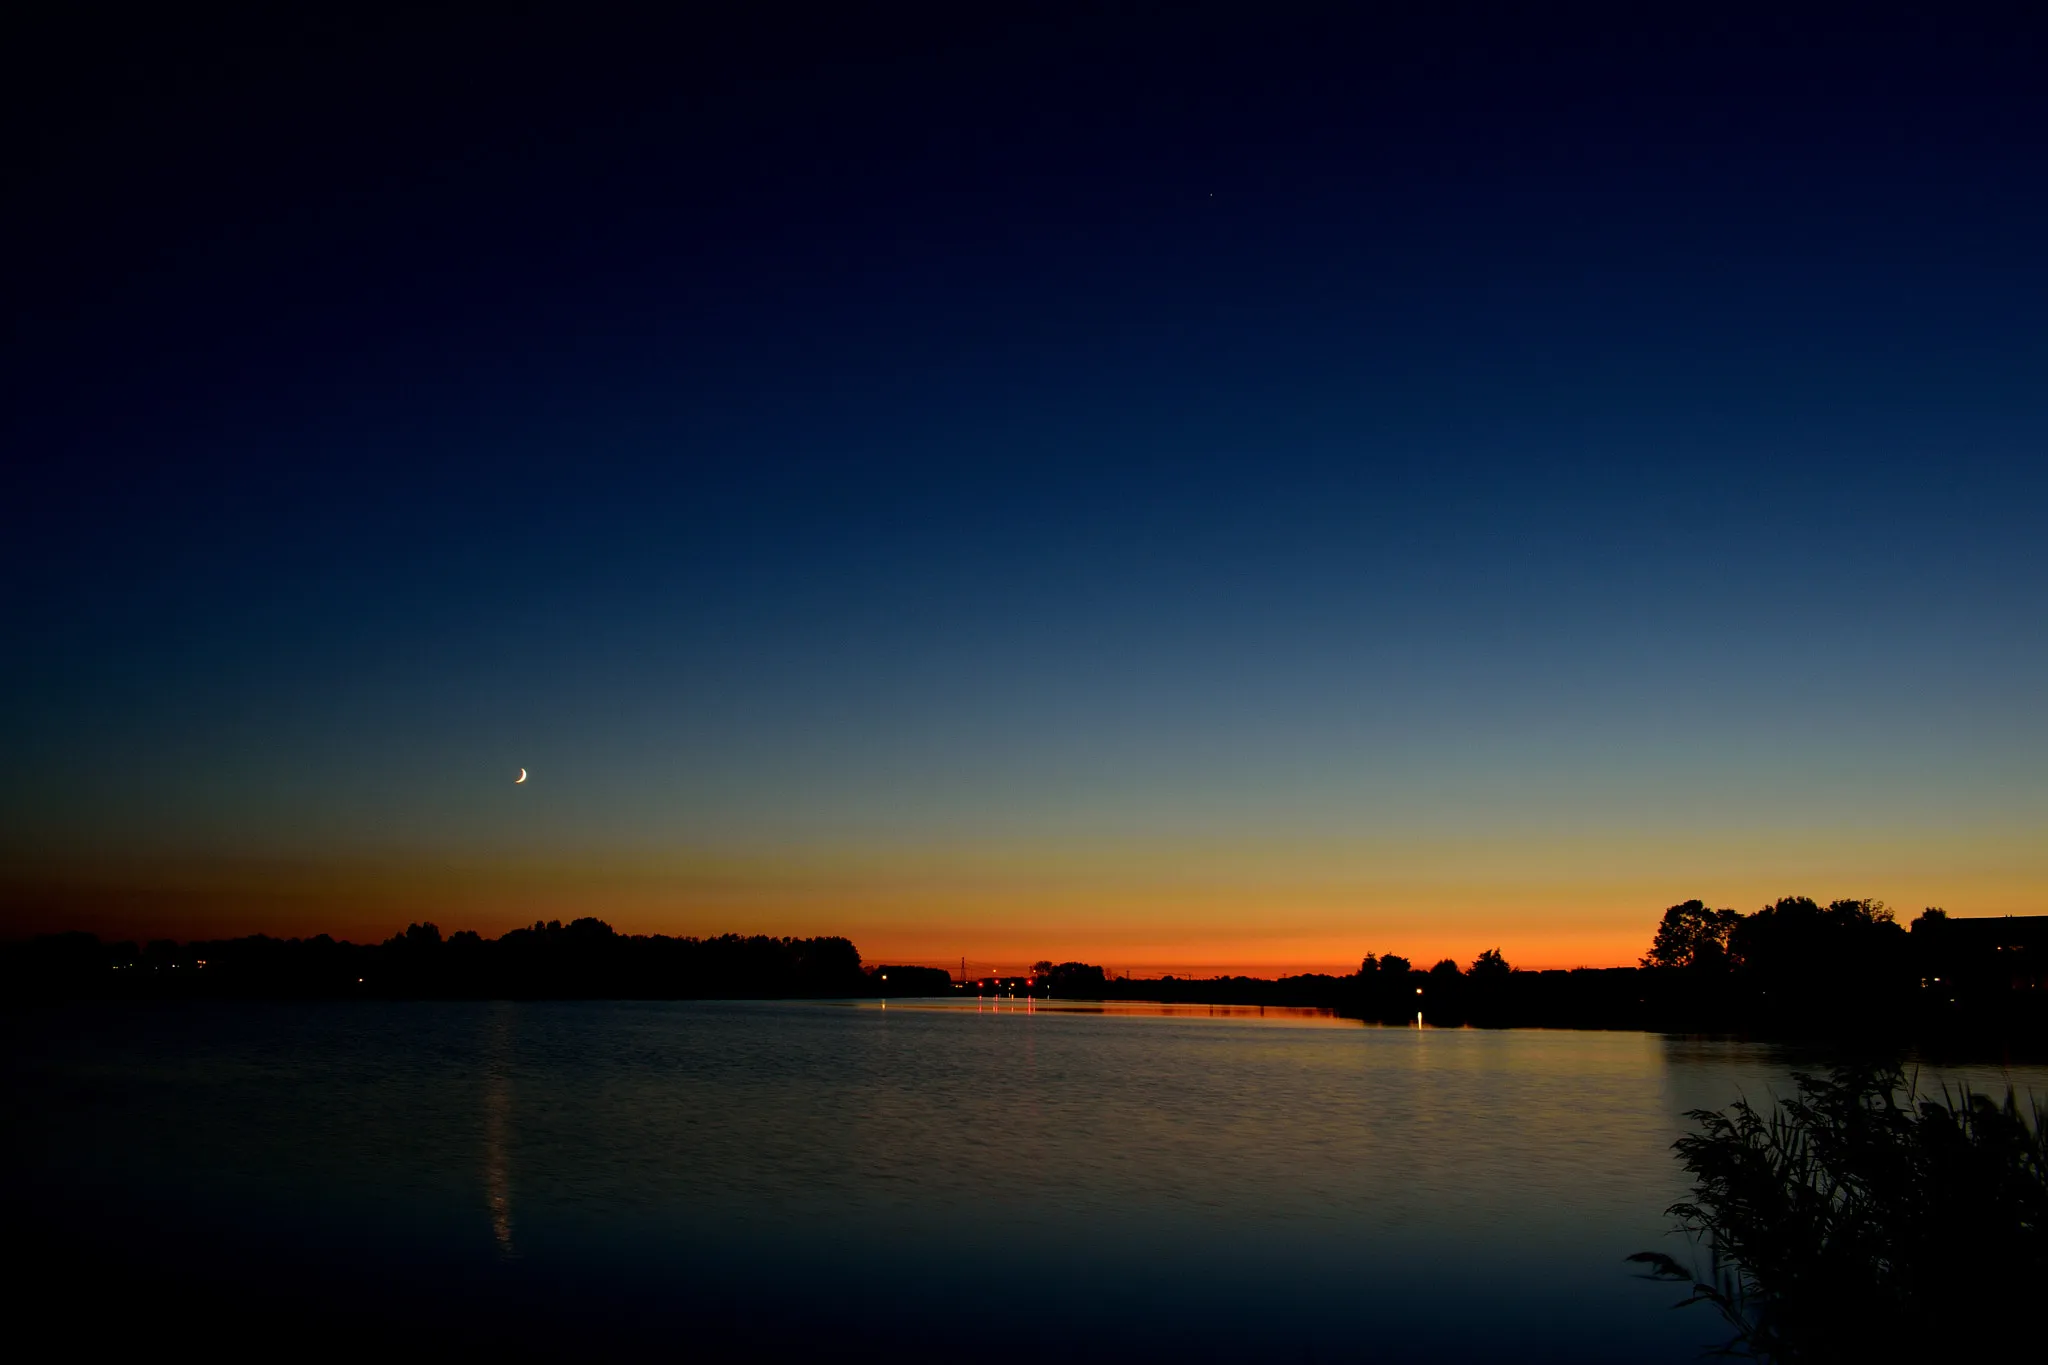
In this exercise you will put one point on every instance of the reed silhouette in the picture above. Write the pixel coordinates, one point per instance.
(1853, 1220)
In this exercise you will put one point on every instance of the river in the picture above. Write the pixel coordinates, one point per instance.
(859, 1179)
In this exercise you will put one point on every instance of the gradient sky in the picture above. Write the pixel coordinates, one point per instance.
(1168, 493)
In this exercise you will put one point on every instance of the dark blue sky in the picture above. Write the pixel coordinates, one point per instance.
(821, 441)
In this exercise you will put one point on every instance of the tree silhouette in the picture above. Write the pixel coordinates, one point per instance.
(1491, 967)
(1073, 980)
(1692, 936)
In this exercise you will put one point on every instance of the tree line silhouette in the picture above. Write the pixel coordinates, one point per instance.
(1797, 966)
(1792, 967)
(585, 958)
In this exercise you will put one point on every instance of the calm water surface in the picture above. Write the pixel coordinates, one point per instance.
(616, 1179)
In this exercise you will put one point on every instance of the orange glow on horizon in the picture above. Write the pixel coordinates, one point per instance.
(1253, 908)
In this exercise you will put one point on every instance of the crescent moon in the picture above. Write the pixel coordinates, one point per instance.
(521, 778)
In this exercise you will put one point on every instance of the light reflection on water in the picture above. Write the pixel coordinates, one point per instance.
(1126, 1180)
(497, 1126)
(1153, 1009)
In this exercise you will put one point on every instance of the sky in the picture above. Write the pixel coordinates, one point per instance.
(1170, 490)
